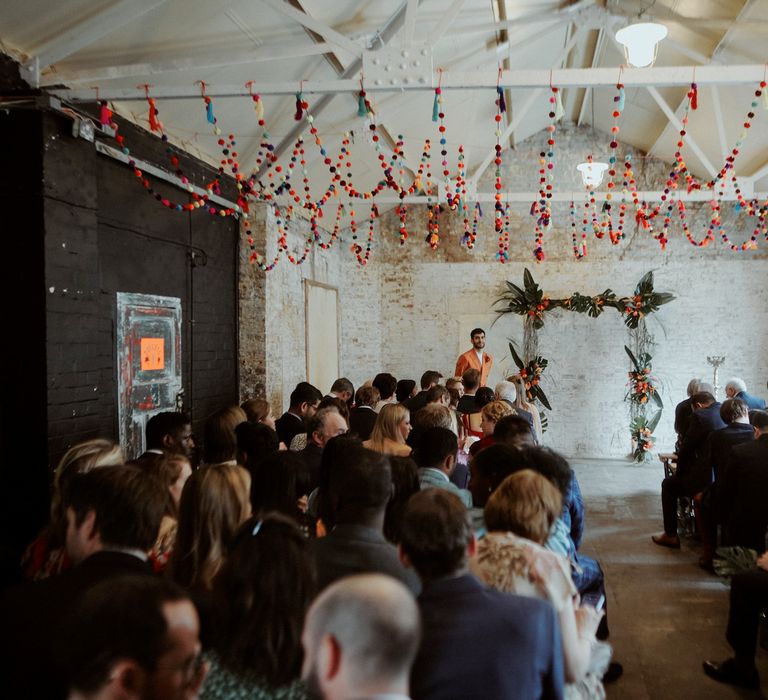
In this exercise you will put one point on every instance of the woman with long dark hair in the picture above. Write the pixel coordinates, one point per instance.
(261, 595)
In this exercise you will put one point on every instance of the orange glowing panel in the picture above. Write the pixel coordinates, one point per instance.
(152, 353)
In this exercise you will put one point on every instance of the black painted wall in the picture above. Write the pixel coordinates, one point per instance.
(82, 229)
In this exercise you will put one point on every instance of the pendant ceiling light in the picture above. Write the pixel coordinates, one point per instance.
(641, 42)
(592, 172)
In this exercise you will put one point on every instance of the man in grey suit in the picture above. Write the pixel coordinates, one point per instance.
(436, 457)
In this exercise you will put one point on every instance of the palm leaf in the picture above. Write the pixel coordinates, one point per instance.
(654, 421)
(657, 399)
(633, 358)
(520, 364)
(543, 398)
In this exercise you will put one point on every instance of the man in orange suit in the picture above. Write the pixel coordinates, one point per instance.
(476, 358)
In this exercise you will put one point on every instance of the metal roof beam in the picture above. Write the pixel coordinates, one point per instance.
(457, 80)
(86, 33)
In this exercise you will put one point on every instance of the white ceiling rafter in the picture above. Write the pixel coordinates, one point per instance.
(384, 35)
(719, 121)
(597, 55)
(445, 21)
(85, 33)
(200, 62)
(458, 80)
(709, 60)
(673, 119)
(329, 34)
(409, 25)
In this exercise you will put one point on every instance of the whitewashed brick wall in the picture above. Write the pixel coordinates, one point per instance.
(411, 309)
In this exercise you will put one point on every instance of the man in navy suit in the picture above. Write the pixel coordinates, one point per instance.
(744, 512)
(737, 389)
(693, 473)
(476, 642)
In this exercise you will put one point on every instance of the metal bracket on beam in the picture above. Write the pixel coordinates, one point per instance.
(397, 67)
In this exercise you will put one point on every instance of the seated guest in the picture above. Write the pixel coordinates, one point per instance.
(167, 432)
(113, 515)
(507, 391)
(436, 457)
(214, 503)
(718, 454)
(300, 440)
(693, 473)
(565, 536)
(326, 424)
(488, 469)
(303, 404)
(124, 636)
(261, 595)
(743, 490)
(473, 421)
(46, 555)
(477, 642)
(438, 394)
(360, 637)
(521, 402)
(386, 384)
(749, 598)
(172, 471)
(363, 416)
(405, 389)
(391, 431)
(684, 411)
(219, 441)
(431, 416)
(511, 558)
(737, 389)
(255, 442)
(470, 382)
(281, 483)
(259, 411)
(319, 504)
(514, 431)
(490, 414)
(359, 488)
(429, 379)
(455, 383)
(342, 389)
(405, 482)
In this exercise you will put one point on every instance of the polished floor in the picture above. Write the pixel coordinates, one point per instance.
(666, 614)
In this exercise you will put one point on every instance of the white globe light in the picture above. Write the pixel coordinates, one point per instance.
(592, 173)
(641, 41)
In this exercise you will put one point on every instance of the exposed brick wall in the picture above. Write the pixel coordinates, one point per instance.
(104, 235)
(430, 301)
(279, 345)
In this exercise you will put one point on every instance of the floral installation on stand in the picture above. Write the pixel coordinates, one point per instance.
(642, 436)
(530, 372)
(641, 384)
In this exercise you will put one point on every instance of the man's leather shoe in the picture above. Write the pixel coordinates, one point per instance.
(729, 672)
(665, 540)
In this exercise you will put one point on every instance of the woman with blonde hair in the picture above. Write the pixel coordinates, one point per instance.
(172, 471)
(46, 556)
(490, 414)
(214, 504)
(511, 557)
(391, 430)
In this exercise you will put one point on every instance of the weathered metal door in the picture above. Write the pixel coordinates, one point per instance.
(149, 363)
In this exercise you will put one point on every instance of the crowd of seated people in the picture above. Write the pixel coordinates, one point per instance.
(722, 465)
(352, 548)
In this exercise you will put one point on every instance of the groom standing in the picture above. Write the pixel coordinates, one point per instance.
(476, 358)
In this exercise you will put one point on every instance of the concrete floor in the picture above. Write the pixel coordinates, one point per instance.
(666, 614)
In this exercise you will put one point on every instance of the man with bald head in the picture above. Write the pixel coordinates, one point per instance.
(360, 638)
